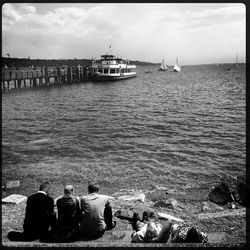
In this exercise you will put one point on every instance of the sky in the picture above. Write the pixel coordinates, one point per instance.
(196, 33)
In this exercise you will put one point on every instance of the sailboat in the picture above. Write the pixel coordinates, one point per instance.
(236, 65)
(163, 66)
(177, 67)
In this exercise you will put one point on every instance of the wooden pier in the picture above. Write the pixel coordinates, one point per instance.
(45, 76)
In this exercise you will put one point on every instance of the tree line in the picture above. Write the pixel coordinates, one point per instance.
(27, 62)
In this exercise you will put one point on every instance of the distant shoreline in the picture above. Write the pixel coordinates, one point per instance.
(25, 62)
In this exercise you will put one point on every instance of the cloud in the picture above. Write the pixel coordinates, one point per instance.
(192, 17)
(71, 21)
(27, 9)
(137, 31)
(12, 14)
(225, 11)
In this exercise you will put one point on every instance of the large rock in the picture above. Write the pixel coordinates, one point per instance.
(133, 197)
(168, 217)
(14, 199)
(221, 194)
(169, 203)
(12, 184)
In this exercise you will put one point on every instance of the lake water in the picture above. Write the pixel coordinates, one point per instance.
(160, 128)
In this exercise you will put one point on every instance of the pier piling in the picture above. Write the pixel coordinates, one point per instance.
(31, 77)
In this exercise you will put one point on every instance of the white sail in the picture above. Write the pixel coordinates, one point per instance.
(163, 65)
(177, 67)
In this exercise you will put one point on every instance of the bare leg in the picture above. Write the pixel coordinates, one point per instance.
(165, 232)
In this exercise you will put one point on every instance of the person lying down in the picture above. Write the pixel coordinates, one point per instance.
(149, 230)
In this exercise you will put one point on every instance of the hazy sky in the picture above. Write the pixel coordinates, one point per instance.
(195, 33)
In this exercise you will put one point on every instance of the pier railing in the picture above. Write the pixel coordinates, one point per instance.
(32, 77)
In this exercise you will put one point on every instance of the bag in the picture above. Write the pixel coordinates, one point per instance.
(220, 194)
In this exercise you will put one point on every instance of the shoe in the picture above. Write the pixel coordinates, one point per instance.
(135, 221)
(112, 226)
(136, 217)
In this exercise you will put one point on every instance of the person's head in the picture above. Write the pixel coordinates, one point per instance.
(153, 216)
(193, 236)
(145, 216)
(45, 186)
(151, 232)
(68, 190)
(92, 188)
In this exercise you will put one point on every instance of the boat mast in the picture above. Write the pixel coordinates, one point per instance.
(236, 60)
(110, 51)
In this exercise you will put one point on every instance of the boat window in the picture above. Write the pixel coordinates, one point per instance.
(112, 71)
(106, 71)
(100, 70)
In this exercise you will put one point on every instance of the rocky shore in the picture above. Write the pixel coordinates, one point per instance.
(224, 224)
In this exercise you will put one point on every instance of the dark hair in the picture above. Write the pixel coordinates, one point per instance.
(92, 188)
(153, 215)
(44, 186)
(193, 236)
(145, 216)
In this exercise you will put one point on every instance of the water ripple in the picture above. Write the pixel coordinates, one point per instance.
(162, 128)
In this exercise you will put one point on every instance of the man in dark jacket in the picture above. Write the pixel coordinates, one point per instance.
(39, 216)
(40, 213)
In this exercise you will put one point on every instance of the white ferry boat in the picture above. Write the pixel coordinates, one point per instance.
(110, 67)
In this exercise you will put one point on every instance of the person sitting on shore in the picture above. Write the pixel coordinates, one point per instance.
(96, 214)
(67, 224)
(39, 216)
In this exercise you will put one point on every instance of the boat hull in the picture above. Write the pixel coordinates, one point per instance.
(111, 77)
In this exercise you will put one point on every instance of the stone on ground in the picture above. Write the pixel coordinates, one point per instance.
(169, 203)
(14, 199)
(133, 197)
(209, 206)
(216, 237)
(168, 216)
(12, 184)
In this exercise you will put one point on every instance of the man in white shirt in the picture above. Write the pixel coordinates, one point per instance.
(96, 213)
